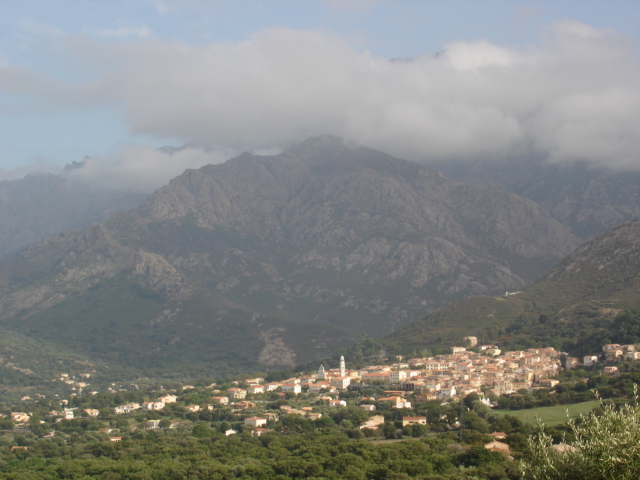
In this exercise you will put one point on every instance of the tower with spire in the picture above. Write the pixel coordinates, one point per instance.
(343, 369)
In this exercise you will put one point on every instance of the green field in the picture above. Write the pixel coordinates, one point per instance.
(552, 415)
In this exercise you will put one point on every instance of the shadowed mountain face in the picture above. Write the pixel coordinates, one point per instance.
(277, 259)
(572, 307)
(587, 200)
(37, 206)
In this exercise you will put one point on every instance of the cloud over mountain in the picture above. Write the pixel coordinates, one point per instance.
(573, 97)
(142, 168)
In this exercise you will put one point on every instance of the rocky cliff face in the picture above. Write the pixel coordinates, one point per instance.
(344, 228)
(613, 252)
(325, 241)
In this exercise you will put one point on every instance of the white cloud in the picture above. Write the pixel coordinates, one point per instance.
(577, 30)
(574, 97)
(143, 168)
(472, 56)
(37, 167)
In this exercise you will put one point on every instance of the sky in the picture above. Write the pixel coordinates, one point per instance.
(427, 80)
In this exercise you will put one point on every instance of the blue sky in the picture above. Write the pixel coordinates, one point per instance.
(111, 79)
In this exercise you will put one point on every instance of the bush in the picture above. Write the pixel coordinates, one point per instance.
(606, 447)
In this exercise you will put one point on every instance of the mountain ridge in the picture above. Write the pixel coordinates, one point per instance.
(588, 200)
(328, 235)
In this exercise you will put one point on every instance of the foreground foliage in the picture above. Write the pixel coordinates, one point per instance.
(606, 447)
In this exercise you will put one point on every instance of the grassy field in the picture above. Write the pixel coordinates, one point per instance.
(552, 415)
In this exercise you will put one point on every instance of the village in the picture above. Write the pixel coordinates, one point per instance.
(257, 407)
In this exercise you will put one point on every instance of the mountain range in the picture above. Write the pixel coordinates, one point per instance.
(275, 260)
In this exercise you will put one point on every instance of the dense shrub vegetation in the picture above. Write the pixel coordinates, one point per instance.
(605, 445)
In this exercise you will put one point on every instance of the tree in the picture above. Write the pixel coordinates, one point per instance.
(479, 456)
(472, 421)
(297, 424)
(470, 400)
(389, 431)
(201, 431)
(606, 447)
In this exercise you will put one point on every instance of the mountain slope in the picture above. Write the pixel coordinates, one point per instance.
(574, 301)
(590, 201)
(277, 259)
(36, 206)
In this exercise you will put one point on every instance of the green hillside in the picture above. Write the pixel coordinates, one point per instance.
(30, 364)
(574, 307)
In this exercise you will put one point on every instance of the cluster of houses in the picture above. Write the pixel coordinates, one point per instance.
(435, 378)
(77, 384)
(613, 353)
(158, 404)
(484, 369)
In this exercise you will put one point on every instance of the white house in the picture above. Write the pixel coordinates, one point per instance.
(632, 356)
(168, 399)
(153, 424)
(128, 408)
(447, 392)
(294, 388)
(589, 360)
(236, 393)
(255, 421)
(319, 386)
(22, 417)
(414, 421)
(153, 405)
(255, 389)
(397, 376)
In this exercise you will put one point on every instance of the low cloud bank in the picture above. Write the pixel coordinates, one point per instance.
(575, 96)
(141, 168)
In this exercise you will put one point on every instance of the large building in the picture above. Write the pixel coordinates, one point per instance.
(340, 382)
